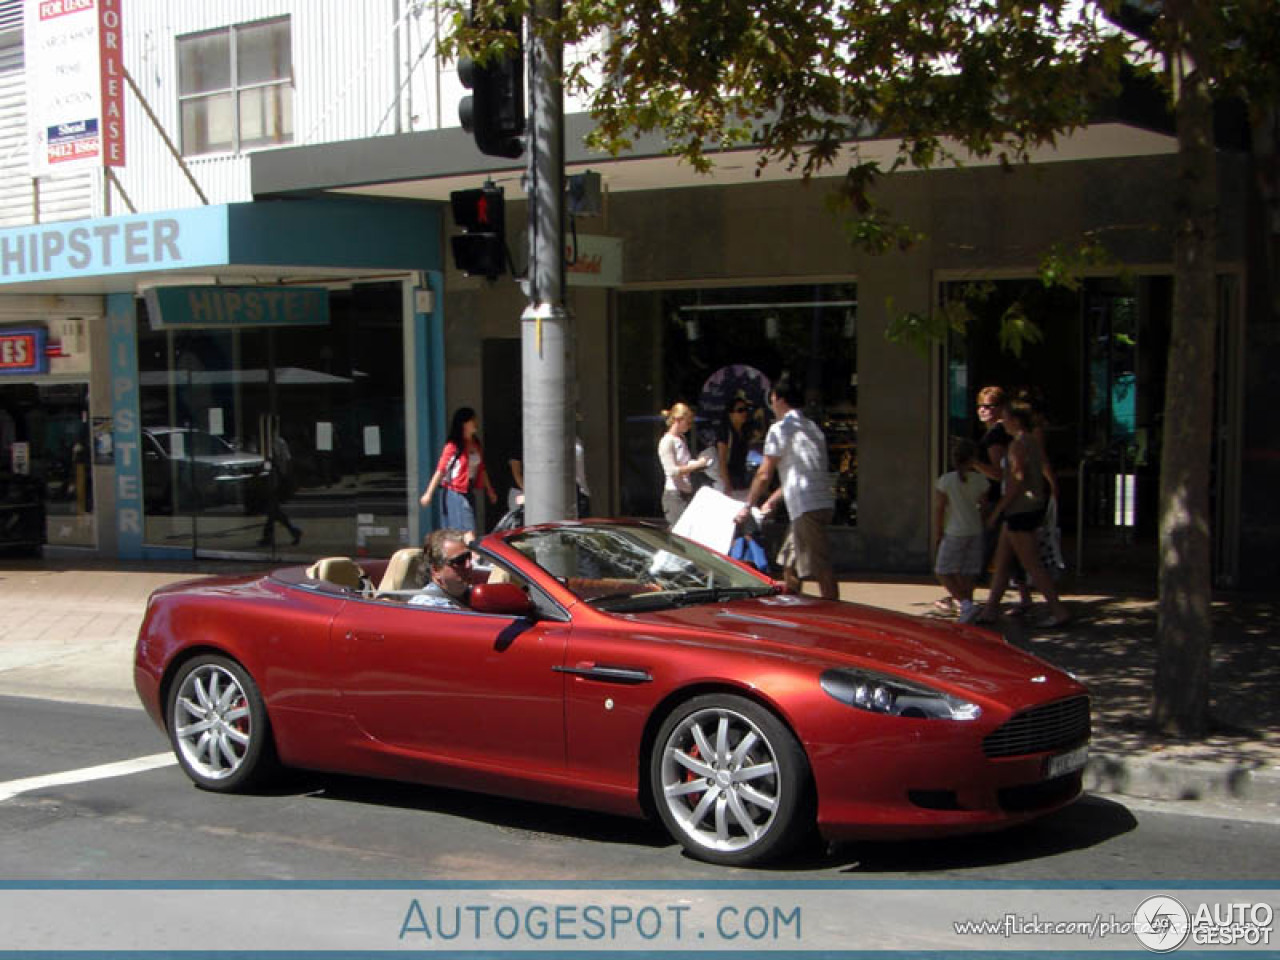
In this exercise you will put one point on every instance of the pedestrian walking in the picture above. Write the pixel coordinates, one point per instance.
(460, 470)
(1021, 510)
(279, 467)
(796, 448)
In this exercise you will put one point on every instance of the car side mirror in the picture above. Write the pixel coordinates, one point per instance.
(507, 599)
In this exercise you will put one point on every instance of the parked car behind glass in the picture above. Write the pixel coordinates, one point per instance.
(207, 470)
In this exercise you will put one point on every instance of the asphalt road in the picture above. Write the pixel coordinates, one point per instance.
(153, 824)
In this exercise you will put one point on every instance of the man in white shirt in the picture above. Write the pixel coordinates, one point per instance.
(796, 447)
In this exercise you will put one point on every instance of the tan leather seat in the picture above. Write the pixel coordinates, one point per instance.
(343, 571)
(406, 570)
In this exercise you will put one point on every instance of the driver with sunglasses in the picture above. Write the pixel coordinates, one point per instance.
(449, 559)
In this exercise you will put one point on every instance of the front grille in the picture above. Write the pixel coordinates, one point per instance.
(1054, 726)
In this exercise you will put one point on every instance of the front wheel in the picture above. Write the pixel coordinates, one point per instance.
(218, 725)
(730, 781)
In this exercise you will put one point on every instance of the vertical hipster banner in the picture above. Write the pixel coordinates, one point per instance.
(75, 84)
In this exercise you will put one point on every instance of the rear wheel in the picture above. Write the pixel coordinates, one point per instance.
(730, 781)
(218, 725)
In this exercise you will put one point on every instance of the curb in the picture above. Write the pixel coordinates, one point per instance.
(1182, 780)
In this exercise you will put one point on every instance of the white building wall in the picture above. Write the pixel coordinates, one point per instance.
(362, 68)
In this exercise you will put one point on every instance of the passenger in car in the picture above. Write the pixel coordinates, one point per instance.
(449, 560)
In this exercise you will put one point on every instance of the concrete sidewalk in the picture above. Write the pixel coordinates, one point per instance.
(68, 630)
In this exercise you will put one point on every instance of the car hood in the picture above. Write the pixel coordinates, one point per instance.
(960, 658)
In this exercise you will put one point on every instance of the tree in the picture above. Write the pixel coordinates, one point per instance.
(803, 81)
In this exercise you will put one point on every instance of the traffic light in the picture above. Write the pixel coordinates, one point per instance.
(482, 249)
(494, 112)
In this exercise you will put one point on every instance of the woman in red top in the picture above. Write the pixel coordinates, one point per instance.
(460, 470)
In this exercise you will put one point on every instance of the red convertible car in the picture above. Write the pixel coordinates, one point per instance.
(616, 667)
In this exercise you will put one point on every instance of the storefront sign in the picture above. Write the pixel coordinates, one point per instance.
(122, 331)
(218, 306)
(314, 234)
(23, 351)
(75, 84)
(114, 245)
(598, 261)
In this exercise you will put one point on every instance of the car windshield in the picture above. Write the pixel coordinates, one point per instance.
(626, 568)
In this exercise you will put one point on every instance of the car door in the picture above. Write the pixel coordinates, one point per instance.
(457, 686)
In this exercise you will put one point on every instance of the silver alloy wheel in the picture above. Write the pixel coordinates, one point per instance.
(213, 724)
(720, 780)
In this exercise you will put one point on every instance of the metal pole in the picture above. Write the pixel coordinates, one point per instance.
(546, 348)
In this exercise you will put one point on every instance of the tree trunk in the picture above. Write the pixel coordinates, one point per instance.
(1184, 627)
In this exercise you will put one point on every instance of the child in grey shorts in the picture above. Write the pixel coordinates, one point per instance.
(958, 526)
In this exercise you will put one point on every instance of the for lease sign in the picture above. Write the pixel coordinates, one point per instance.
(75, 84)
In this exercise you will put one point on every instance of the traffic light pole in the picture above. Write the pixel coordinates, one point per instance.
(546, 334)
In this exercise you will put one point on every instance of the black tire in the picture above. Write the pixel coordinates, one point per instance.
(752, 802)
(218, 725)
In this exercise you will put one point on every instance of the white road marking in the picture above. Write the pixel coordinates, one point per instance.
(123, 768)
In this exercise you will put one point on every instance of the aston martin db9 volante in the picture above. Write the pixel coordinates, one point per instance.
(616, 667)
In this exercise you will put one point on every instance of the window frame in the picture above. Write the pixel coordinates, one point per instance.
(235, 90)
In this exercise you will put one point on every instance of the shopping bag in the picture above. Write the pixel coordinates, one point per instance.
(1049, 542)
(749, 550)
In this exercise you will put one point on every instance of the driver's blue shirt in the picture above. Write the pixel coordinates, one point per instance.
(433, 595)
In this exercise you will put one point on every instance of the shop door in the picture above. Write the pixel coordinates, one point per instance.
(46, 471)
(222, 466)
(1125, 350)
(278, 442)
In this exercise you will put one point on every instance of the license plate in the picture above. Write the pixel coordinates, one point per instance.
(1065, 763)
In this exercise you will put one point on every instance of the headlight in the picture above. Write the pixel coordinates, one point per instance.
(882, 693)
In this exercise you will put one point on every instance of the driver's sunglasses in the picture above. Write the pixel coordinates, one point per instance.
(460, 561)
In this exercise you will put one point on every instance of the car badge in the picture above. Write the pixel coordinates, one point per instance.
(1040, 678)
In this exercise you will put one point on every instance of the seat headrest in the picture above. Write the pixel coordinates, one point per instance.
(343, 571)
(406, 570)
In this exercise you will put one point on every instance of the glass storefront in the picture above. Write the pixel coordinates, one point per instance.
(278, 441)
(1097, 377)
(46, 470)
(708, 346)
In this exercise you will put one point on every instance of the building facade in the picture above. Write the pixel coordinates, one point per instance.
(683, 287)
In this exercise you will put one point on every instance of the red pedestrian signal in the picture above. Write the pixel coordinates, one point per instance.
(481, 250)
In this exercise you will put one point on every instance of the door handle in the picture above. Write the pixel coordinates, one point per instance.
(370, 637)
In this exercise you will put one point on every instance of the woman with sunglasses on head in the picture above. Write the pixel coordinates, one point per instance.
(460, 470)
(732, 446)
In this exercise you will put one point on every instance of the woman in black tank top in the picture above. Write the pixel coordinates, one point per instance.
(1021, 511)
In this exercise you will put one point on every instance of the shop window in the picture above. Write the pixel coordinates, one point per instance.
(709, 347)
(46, 466)
(235, 88)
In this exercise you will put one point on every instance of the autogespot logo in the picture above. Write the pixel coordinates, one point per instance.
(1161, 924)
